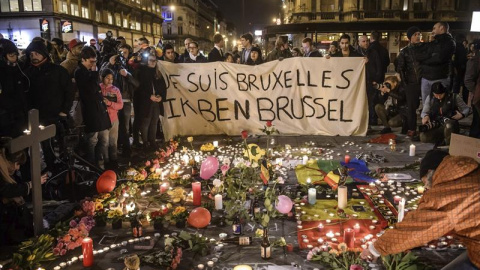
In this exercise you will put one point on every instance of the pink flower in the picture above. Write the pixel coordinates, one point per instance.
(269, 123)
(147, 163)
(356, 267)
(73, 223)
(144, 173)
(59, 245)
(309, 255)
(224, 169)
(63, 252)
(155, 161)
(56, 251)
(72, 245)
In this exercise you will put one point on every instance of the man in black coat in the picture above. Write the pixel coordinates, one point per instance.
(50, 92)
(13, 86)
(216, 54)
(95, 115)
(435, 63)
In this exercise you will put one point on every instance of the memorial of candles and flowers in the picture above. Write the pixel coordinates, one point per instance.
(156, 213)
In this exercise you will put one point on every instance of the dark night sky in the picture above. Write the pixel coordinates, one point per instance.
(258, 13)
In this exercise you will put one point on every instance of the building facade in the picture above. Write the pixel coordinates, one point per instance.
(195, 19)
(22, 20)
(326, 20)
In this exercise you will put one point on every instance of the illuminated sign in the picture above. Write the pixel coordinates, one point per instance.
(67, 26)
(44, 26)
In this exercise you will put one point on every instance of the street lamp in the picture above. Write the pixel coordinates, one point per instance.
(172, 8)
(274, 20)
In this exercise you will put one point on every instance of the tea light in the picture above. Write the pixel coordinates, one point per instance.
(211, 263)
(320, 227)
(320, 240)
(334, 239)
(57, 268)
(80, 257)
(305, 240)
(63, 265)
(328, 221)
(309, 246)
(242, 267)
(371, 227)
(331, 214)
(330, 234)
(223, 236)
(200, 266)
(299, 227)
(74, 259)
(337, 234)
(374, 221)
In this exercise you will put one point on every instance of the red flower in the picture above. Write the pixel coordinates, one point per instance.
(269, 123)
(244, 134)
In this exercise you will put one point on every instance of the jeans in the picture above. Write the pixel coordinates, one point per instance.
(412, 92)
(427, 86)
(97, 145)
(112, 142)
(149, 124)
(462, 262)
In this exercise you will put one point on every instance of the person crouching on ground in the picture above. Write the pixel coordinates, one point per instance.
(113, 99)
(450, 204)
(393, 112)
(440, 115)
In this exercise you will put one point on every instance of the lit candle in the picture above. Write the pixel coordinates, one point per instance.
(347, 159)
(312, 196)
(197, 193)
(320, 227)
(185, 159)
(330, 234)
(349, 237)
(242, 267)
(356, 228)
(342, 197)
(175, 168)
(218, 202)
(87, 251)
(401, 210)
(412, 150)
(26, 131)
(309, 181)
(197, 159)
(305, 160)
(215, 144)
(420, 189)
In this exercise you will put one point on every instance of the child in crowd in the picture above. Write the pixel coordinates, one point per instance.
(113, 99)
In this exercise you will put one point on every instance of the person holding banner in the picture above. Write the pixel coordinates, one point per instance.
(346, 50)
(309, 50)
(194, 55)
(255, 57)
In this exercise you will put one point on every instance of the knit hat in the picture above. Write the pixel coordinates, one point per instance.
(431, 161)
(6, 47)
(412, 30)
(38, 47)
(438, 88)
(75, 42)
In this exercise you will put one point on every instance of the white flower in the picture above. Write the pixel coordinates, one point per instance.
(217, 182)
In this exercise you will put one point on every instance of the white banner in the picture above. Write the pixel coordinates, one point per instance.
(302, 96)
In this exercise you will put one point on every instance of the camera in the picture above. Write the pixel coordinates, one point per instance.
(440, 121)
(386, 85)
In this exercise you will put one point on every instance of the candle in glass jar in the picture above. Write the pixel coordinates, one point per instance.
(197, 193)
(218, 202)
(87, 251)
(349, 237)
(312, 196)
(356, 228)
(342, 197)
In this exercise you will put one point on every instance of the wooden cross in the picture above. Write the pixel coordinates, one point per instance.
(32, 138)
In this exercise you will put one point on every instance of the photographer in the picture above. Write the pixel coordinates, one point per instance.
(440, 115)
(109, 47)
(127, 84)
(393, 112)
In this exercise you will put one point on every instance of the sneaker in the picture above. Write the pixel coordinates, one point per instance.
(386, 130)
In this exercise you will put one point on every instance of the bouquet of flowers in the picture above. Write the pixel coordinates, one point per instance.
(179, 214)
(114, 215)
(33, 252)
(341, 258)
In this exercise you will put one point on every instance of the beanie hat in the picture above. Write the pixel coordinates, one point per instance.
(38, 47)
(431, 161)
(107, 72)
(75, 42)
(438, 88)
(412, 30)
(256, 49)
(6, 47)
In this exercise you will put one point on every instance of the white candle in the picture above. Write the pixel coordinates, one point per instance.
(312, 196)
(305, 160)
(342, 197)
(401, 209)
(215, 144)
(185, 159)
(218, 202)
(412, 150)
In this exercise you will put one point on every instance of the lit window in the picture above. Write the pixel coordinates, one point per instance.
(138, 26)
(118, 19)
(110, 18)
(27, 5)
(37, 5)
(85, 13)
(98, 16)
(9, 5)
(74, 8)
(125, 23)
